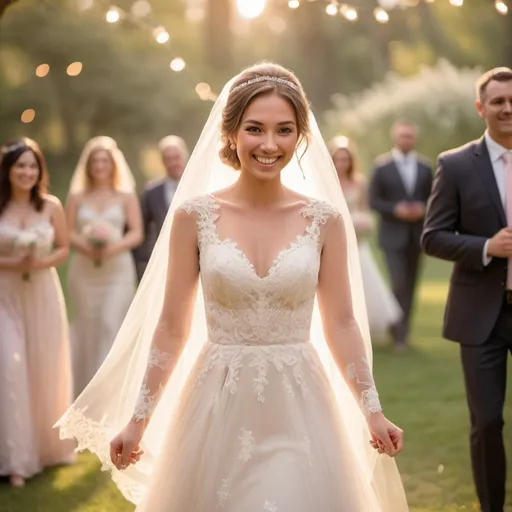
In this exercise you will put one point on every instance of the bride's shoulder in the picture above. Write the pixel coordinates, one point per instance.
(319, 209)
(197, 204)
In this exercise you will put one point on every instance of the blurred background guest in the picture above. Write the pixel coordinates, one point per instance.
(157, 197)
(383, 309)
(105, 224)
(398, 192)
(35, 366)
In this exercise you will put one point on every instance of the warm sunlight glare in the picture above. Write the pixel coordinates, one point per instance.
(250, 9)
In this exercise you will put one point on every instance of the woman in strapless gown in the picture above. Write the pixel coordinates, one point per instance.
(242, 381)
(105, 224)
(35, 365)
(382, 307)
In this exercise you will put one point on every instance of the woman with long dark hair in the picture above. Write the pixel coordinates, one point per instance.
(35, 375)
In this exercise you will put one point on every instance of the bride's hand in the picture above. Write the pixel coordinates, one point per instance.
(386, 437)
(124, 448)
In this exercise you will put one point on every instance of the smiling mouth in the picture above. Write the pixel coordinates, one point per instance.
(265, 160)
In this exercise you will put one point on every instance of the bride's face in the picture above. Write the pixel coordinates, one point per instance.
(267, 137)
(101, 166)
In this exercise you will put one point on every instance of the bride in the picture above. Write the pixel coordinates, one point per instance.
(243, 381)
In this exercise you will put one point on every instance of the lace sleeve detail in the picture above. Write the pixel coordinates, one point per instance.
(336, 300)
(157, 373)
(205, 208)
(360, 377)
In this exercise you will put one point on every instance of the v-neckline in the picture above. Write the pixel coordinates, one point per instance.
(280, 254)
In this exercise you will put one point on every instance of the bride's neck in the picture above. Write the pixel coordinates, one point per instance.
(258, 192)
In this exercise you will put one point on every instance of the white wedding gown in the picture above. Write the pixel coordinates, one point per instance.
(257, 428)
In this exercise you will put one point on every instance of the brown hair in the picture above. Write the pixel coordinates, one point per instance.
(241, 97)
(501, 74)
(89, 182)
(9, 155)
(345, 144)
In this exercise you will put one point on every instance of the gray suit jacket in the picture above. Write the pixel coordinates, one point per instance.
(154, 210)
(386, 190)
(464, 211)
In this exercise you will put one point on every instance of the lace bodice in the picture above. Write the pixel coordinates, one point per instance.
(245, 309)
(40, 236)
(112, 215)
(241, 306)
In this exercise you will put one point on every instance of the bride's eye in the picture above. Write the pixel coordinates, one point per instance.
(285, 130)
(252, 129)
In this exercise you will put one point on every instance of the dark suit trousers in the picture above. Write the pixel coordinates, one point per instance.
(485, 373)
(403, 267)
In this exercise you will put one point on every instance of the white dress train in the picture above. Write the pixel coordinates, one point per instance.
(381, 305)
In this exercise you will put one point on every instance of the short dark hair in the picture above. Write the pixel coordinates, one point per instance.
(500, 74)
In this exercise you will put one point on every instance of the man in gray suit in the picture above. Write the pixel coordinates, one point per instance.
(398, 192)
(469, 222)
(158, 195)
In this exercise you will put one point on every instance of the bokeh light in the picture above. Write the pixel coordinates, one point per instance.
(42, 70)
(28, 115)
(74, 69)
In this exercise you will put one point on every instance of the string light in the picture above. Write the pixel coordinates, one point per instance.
(381, 15)
(177, 64)
(141, 8)
(332, 9)
(204, 91)
(251, 9)
(84, 5)
(349, 12)
(501, 7)
(293, 4)
(113, 15)
(42, 70)
(161, 35)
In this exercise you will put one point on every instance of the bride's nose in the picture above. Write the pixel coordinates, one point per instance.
(269, 145)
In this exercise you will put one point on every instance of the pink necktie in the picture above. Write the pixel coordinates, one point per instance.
(507, 158)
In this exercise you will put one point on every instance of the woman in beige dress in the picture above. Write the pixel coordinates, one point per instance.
(105, 224)
(382, 307)
(35, 367)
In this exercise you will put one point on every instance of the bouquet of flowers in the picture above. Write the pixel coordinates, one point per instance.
(99, 234)
(26, 241)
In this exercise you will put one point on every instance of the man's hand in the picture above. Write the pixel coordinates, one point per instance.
(500, 245)
(409, 211)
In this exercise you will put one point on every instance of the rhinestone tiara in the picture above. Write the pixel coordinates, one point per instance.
(265, 79)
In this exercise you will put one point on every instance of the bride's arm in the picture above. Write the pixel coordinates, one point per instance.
(171, 333)
(173, 326)
(343, 334)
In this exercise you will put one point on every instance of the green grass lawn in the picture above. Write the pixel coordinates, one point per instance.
(422, 392)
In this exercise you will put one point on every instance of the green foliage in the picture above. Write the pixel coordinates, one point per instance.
(440, 100)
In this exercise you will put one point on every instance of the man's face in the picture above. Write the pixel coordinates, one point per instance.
(174, 162)
(404, 137)
(495, 106)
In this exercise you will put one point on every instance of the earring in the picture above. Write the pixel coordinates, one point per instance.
(232, 146)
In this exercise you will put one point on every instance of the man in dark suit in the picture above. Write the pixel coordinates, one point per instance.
(466, 223)
(157, 197)
(398, 191)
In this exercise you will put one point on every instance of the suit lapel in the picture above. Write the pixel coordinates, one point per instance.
(483, 165)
